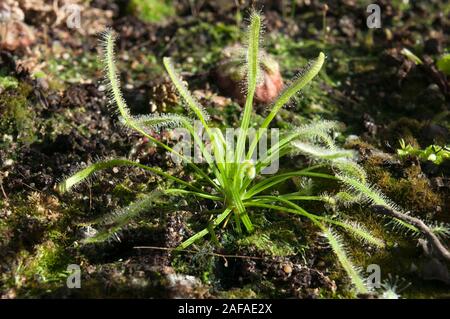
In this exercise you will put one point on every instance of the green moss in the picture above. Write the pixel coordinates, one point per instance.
(412, 189)
(200, 46)
(443, 64)
(144, 66)
(151, 10)
(294, 54)
(407, 254)
(201, 264)
(5, 232)
(277, 241)
(238, 293)
(70, 68)
(49, 262)
(59, 124)
(8, 82)
(275, 235)
(17, 113)
(34, 239)
(124, 193)
(32, 273)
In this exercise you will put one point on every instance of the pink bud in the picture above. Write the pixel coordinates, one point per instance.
(231, 75)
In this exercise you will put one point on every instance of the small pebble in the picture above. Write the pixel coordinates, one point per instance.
(287, 269)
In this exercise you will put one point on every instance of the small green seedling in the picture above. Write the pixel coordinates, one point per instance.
(434, 153)
(443, 64)
(237, 186)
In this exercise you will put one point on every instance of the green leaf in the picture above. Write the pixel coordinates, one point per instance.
(311, 70)
(360, 232)
(158, 122)
(411, 56)
(253, 72)
(87, 172)
(112, 78)
(115, 221)
(191, 102)
(339, 249)
(217, 221)
(306, 76)
(321, 152)
(443, 64)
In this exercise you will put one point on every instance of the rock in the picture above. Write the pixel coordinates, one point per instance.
(231, 73)
(86, 232)
(434, 133)
(185, 286)
(10, 10)
(14, 33)
(432, 268)
(435, 269)
(287, 268)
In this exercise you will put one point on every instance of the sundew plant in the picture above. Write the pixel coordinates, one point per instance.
(238, 186)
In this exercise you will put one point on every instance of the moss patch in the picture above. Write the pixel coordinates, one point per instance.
(17, 113)
(412, 189)
(151, 10)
